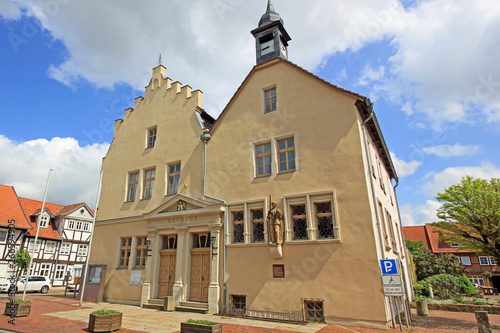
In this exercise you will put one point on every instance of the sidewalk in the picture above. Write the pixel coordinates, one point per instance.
(57, 314)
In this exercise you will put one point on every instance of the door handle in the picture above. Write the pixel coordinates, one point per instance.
(202, 278)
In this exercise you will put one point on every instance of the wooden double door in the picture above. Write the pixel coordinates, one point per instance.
(167, 273)
(200, 268)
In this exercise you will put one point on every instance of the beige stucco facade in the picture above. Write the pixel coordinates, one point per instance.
(336, 164)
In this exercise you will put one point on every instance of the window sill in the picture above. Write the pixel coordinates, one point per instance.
(146, 199)
(287, 172)
(141, 268)
(259, 244)
(313, 241)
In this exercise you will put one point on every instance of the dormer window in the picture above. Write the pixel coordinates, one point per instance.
(44, 221)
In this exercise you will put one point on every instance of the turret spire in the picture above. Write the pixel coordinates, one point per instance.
(270, 15)
(271, 38)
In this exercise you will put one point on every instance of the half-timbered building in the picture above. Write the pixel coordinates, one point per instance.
(63, 239)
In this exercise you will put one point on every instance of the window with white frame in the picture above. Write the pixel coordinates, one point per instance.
(44, 221)
(133, 183)
(477, 280)
(71, 224)
(3, 235)
(465, 260)
(59, 274)
(37, 247)
(82, 250)
(174, 174)
(65, 248)
(493, 262)
(483, 260)
(78, 225)
(50, 247)
(86, 226)
(45, 269)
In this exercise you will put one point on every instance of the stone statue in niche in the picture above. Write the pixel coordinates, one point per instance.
(275, 227)
(181, 205)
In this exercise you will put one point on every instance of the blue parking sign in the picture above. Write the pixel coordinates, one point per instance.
(389, 266)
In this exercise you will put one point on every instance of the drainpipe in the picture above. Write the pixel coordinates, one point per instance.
(205, 137)
(370, 108)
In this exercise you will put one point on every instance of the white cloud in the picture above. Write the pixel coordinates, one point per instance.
(206, 44)
(451, 151)
(419, 214)
(440, 181)
(403, 168)
(75, 177)
(445, 49)
(369, 75)
(9, 10)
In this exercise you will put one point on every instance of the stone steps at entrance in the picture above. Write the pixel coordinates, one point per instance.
(196, 307)
(154, 303)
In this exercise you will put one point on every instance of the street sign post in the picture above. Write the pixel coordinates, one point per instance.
(389, 266)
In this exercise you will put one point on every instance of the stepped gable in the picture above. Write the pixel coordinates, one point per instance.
(11, 209)
(164, 88)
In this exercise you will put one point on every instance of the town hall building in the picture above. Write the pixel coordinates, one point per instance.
(281, 207)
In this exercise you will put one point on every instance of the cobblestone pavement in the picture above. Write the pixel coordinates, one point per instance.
(58, 314)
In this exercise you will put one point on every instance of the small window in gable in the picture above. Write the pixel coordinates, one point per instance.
(270, 100)
(151, 137)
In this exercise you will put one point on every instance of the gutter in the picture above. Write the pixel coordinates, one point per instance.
(205, 137)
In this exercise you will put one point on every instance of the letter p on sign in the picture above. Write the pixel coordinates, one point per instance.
(389, 267)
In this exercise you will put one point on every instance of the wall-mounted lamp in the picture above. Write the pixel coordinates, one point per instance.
(148, 246)
(213, 240)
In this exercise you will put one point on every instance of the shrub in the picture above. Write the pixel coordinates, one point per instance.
(104, 312)
(421, 289)
(467, 286)
(201, 322)
(444, 285)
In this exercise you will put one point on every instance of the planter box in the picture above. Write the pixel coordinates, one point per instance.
(20, 309)
(106, 323)
(198, 328)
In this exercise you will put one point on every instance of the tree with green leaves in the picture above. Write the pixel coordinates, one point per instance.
(470, 215)
(22, 262)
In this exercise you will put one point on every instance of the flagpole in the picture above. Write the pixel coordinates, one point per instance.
(36, 236)
(85, 275)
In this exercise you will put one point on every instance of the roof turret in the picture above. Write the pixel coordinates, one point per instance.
(270, 16)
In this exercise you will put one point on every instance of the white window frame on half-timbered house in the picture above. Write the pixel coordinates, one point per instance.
(60, 272)
(310, 202)
(45, 269)
(50, 247)
(3, 235)
(82, 250)
(37, 247)
(65, 248)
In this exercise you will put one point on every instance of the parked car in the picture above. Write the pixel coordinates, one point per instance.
(35, 283)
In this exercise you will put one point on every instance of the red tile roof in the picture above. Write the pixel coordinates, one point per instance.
(417, 233)
(33, 207)
(10, 208)
(426, 233)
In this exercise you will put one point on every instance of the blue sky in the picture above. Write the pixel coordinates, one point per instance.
(71, 67)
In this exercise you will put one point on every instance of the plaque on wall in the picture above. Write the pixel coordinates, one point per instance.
(279, 271)
(135, 278)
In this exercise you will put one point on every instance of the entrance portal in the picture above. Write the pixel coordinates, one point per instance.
(200, 268)
(167, 266)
